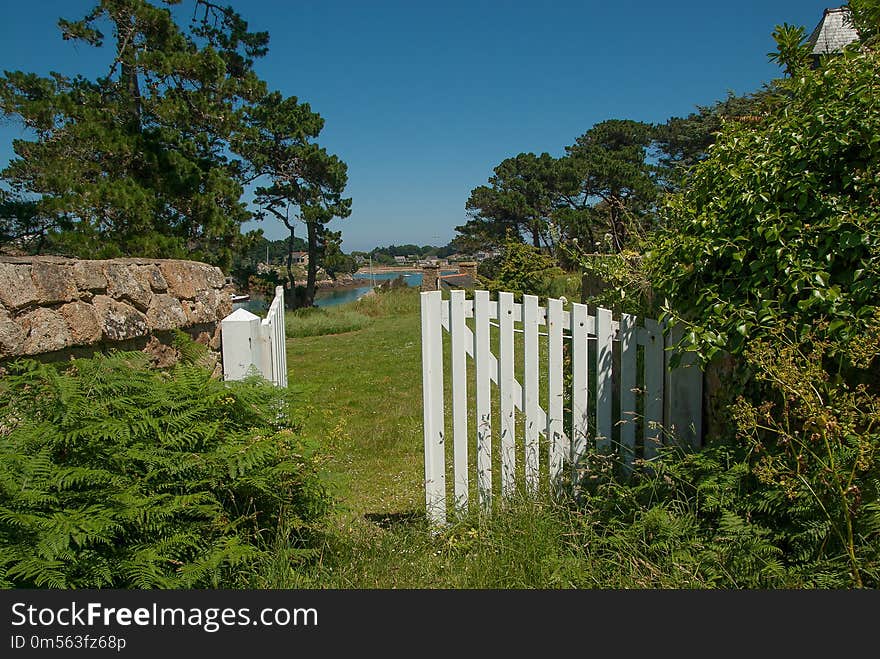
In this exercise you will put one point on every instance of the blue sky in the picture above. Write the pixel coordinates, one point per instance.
(422, 100)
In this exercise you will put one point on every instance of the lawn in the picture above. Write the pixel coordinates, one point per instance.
(361, 393)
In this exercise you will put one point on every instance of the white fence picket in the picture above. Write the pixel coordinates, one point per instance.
(531, 391)
(580, 408)
(604, 347)
(457, 329)
(593, 414)
(628, 416)
(653, 387)
(559, 447)
(506, 392)
(483, 367)
(432, 393)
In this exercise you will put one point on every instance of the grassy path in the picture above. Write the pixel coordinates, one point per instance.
(361, 393)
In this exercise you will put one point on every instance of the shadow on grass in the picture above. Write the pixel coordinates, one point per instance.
(392, 520)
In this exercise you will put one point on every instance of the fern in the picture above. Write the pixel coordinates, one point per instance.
(113, 475)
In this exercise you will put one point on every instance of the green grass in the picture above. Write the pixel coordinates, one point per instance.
(361, 397)
(318, 321)
(361, 392)
(688, 523)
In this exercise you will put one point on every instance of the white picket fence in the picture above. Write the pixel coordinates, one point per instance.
(633, 389)
(254, 344)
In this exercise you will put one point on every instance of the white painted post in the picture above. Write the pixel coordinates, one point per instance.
(241, 338)
(530, 391)
(683, 394)
(432, 396)
(604, 343)
(654, 366)
(483, 364)
(506, 385)
(628, 362)
(254, 345)
(458, 332)
(559, 448)
(580, 408)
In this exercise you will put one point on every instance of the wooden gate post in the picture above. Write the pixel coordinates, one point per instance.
(683, 400)
(241, 337)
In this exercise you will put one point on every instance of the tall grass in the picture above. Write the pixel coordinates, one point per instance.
(694, 520)
(318, 321)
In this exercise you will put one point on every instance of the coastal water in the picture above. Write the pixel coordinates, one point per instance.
(332, 297)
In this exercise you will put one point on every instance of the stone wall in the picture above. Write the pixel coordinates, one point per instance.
(56, 306)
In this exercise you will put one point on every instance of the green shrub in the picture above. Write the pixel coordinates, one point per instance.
(780, 221)
(524, 269)
(814, 442)
(115, 475)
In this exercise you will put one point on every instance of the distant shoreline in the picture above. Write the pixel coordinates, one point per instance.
(365, 270)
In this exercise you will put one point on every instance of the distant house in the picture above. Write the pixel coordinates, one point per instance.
(400, 260)
(833, 33)
(412, 258)
(483, 255)
(300, 258)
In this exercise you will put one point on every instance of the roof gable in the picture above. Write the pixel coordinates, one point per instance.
(833, 32)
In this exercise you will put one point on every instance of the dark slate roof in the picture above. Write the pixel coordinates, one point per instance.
(832, 33)
(457, 281)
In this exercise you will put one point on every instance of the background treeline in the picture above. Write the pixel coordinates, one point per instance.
(385, 255)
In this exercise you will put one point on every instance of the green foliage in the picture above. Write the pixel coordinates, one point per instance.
(113, 475)
(791, 51)
(318, 321)
(333, 259)
(815, 442)
(525, 269)
(606, 181)
(781, 220)
(297, 179)
(518, 201)
(682, 142)
(865, 18)
(136, 162)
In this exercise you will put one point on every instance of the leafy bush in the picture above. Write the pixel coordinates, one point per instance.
(815, 447)
(781, 220)
(116, 475)
(525, 269)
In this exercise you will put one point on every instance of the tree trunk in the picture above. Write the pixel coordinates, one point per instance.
(313, 263)
(126, 55)
(291, 296)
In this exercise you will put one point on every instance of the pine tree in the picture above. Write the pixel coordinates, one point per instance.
(136, 161)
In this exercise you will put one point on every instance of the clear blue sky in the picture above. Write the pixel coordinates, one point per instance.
(423, 99)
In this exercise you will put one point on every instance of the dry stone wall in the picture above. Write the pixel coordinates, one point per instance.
(52, 305)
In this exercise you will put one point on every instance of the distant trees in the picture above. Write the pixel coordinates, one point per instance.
(602, 186)
(604, 191)
(385, 255)
(518, 199)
